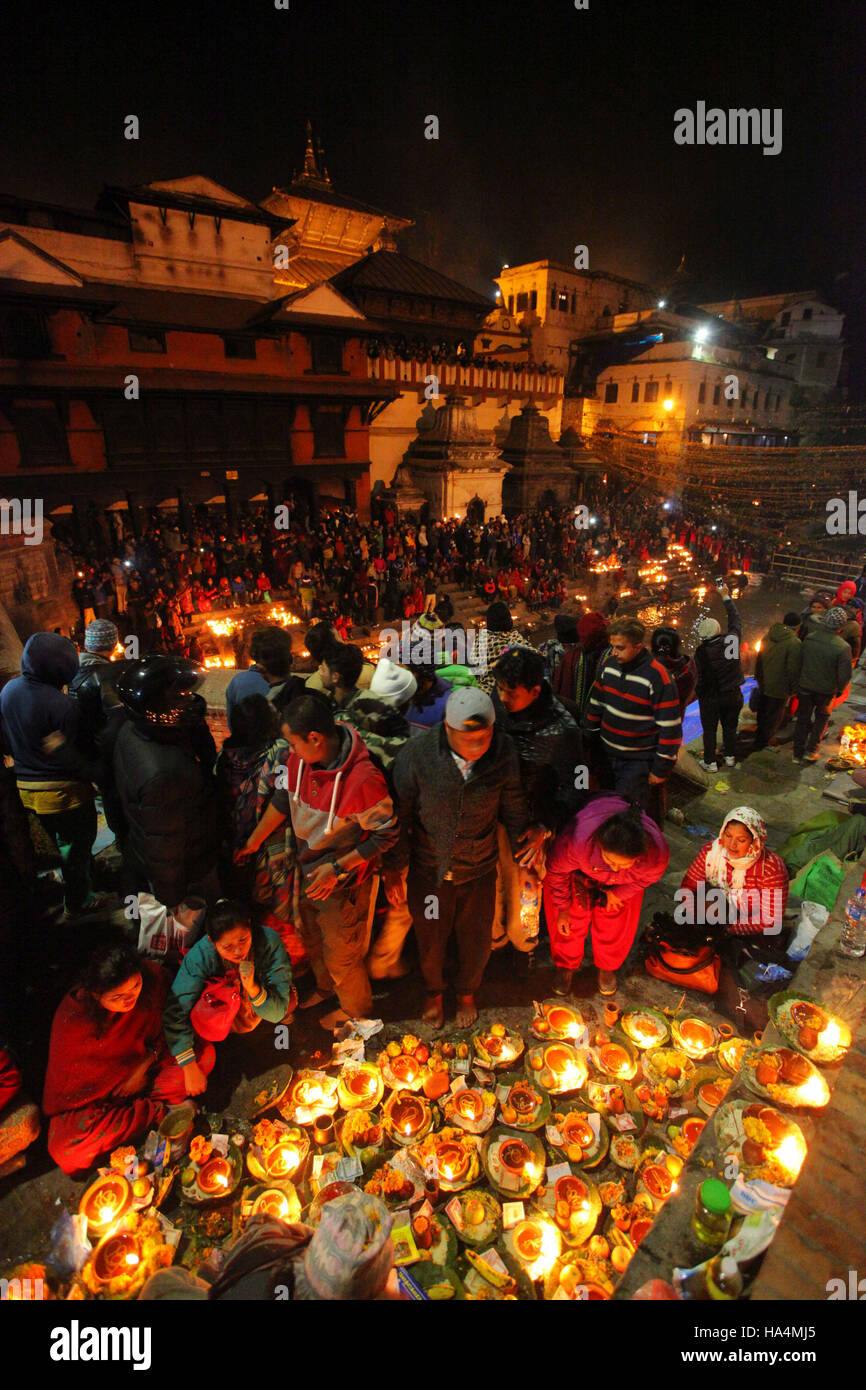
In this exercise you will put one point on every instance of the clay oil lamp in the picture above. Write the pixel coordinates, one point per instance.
(117, 1257)
(311, 1096)
(537, 1245)
(523, 1099)
(643, 1030)
(215, 1178)
(105, 1202)
(567, 1074)
(272, 1202)
(452, 1161)
(361, 1086)
(696, 1037)
(576, 1130)
(407, 1115)
(282, 1160)
(616, 1061)
(563, 1021)
(405, 1069)
(515, 1159)
(469, 1106)
(657, 1181)
(692, 1130)
(725, 1031)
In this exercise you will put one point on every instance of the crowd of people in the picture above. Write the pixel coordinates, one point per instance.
(496, 801)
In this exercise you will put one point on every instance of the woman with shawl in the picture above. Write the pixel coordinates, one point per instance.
(753, 879)
(110, 1076)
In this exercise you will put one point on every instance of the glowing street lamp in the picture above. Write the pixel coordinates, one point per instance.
(701, 335)
(668, 404)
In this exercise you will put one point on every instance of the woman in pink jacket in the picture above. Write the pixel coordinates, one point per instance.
(596, 875)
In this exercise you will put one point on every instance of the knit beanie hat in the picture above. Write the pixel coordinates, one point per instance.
(836, 618)
(708, 627)
(393, 681)
(100, 636)
(469, 702)
(590, 627)
(351, 1254)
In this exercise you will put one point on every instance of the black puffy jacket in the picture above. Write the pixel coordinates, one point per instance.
(92, 687)
(718, 659)
(165, 784)
(550, 749)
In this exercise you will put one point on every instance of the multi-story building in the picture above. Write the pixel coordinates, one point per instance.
(802, 334)
(547, 305)
(145, 357)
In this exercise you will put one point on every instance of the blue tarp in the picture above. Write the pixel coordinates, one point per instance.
(692, 721)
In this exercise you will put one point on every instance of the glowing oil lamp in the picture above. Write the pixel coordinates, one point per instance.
(214, 1179)
(117, 1257)
(282, 1160)
(470, 1105)
(790, 1154)
(271, 1203)
(407, 1114)
(105, 1202)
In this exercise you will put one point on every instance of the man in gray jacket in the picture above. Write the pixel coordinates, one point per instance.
(824, 674)
(452, 786)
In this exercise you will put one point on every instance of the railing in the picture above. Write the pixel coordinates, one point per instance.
(811, 571)
(494, 378)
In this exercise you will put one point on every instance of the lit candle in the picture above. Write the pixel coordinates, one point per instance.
(214, 1177)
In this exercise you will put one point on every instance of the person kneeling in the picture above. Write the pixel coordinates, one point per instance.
(228, 982)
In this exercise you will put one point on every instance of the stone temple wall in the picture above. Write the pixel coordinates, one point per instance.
(35, 594)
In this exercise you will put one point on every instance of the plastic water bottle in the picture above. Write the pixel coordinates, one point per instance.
(853, 942)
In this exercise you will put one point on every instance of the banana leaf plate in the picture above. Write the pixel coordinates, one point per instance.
(514, 1162)
(526, 1106)
(809, 1027)
(575, 1128)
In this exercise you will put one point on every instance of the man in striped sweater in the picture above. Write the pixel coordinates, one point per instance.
(635, 708)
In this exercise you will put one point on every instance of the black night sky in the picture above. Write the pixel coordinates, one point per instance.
(556, 125)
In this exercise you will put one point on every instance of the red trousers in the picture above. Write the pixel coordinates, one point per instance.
(77, 1139)
(612, 934)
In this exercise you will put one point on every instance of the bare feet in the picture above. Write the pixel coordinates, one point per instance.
(318, 996)
(434, 1014)
(467, 1011)
(331, 1022)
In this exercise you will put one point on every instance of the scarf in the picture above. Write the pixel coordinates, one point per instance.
(721, 869)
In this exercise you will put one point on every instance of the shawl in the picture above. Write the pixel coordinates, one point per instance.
(723, 871)
(86, 1065)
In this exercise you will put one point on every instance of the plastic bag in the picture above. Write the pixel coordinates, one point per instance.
(812, 918)
(164, 937)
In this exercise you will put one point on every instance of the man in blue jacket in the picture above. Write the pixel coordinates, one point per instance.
(33, 706)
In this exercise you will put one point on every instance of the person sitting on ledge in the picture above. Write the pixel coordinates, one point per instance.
(752, 878)
(233, 943)
(110, 1077)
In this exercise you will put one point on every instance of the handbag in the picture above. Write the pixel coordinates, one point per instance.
(682, 957)
(215, 1010)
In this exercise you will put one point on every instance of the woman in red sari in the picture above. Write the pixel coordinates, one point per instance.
(110, 1075)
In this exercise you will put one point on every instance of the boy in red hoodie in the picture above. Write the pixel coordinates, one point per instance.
(343, 820)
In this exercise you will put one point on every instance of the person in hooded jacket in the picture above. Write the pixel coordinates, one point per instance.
(824, 675)
(163, 764)
(720, 676)
(777, 671)
(32, 707)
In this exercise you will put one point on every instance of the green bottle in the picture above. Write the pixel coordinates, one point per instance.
(712, 1216)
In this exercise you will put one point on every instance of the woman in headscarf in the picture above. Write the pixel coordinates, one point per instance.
(753, 879)
(601, 862)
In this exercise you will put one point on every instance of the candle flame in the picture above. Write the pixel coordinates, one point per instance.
(549, 1254)
(132, 1258)
(106, 1212)
(833, 1035)
(813, 1090)
(791, 1153)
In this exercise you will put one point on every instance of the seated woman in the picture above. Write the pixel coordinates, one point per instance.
(110, 1077)
(601, 862)
(19, 1117)
(752, 878)
(233, 944)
